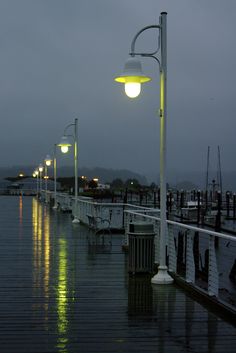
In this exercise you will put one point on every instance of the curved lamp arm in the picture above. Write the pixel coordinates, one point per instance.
(67, 127)
(150, 55)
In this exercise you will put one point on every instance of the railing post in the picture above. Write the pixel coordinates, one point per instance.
(213, 276)
(128, 219)
(190, 265)
(157, 242)
(172, 250)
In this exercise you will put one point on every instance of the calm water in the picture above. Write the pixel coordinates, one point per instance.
(63, 289)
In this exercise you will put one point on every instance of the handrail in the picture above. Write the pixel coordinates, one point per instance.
(189, 227)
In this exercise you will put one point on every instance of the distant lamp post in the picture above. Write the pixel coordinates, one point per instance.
(55, 175)
(48, 163)
(40, 169)
(65, 144)
(36, 175)
(133, 77)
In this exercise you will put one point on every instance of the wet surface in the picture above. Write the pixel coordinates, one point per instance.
(64, 289)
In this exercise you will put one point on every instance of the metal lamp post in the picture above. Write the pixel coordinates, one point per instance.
(133, 77)
(65, 144)
(40, 169)
(55, 175)
(36, 175)
(48, 163)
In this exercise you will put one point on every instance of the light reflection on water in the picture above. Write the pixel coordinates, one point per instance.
(41, 271)
(62, 299)
(20, 209)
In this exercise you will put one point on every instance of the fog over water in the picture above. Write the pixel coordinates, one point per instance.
(58, 60)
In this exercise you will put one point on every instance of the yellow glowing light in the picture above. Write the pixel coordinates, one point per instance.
(95, 179)
(40, 169)
(46, 177)
(132, 89)
(21, 175)
(64, 149)
(48, 162)
(132, 77)
(34, 175)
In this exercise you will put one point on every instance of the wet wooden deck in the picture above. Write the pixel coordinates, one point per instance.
(63, 289)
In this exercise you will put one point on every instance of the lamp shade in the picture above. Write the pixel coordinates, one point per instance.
(132, 77)
(132, 69)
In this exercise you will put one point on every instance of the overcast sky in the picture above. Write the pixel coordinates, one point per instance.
(58, 60)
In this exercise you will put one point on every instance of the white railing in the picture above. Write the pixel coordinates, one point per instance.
(98, 214)
(192, 252)
(201, 257)
(109, 214)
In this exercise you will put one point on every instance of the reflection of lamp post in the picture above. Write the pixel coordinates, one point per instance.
(40, 168)
(132, 77)
(65, 144)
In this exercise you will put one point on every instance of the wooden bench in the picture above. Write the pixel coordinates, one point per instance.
(98, 223)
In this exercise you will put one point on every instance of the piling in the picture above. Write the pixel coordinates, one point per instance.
(227, 196)
(234, 206)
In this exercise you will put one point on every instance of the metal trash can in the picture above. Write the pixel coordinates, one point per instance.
(141, 247)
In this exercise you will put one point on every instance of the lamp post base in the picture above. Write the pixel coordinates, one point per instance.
(76, 221)
(162, 276)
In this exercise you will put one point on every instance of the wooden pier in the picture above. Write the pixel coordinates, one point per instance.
(66, 289)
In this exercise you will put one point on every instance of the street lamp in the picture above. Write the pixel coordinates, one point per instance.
(55, 175)
(133, 77)
(40, 169)
(65, 144)
(48, 163)
(36, 175)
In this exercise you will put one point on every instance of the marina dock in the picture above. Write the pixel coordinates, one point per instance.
(66, 289)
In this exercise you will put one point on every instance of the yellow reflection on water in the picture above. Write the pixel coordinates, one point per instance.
(41, 253)
(46, 220)
(62, 301)
(37, 234)
(20, 216)
(46, 253)
(20, 209)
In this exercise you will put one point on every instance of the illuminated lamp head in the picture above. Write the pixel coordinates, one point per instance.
(48, 161)
(64, 144)
(132, 77)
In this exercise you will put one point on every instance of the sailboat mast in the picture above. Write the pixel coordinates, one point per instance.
(219, 170)
(207, 173)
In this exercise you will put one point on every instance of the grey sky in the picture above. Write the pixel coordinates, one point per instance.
(58, 60)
